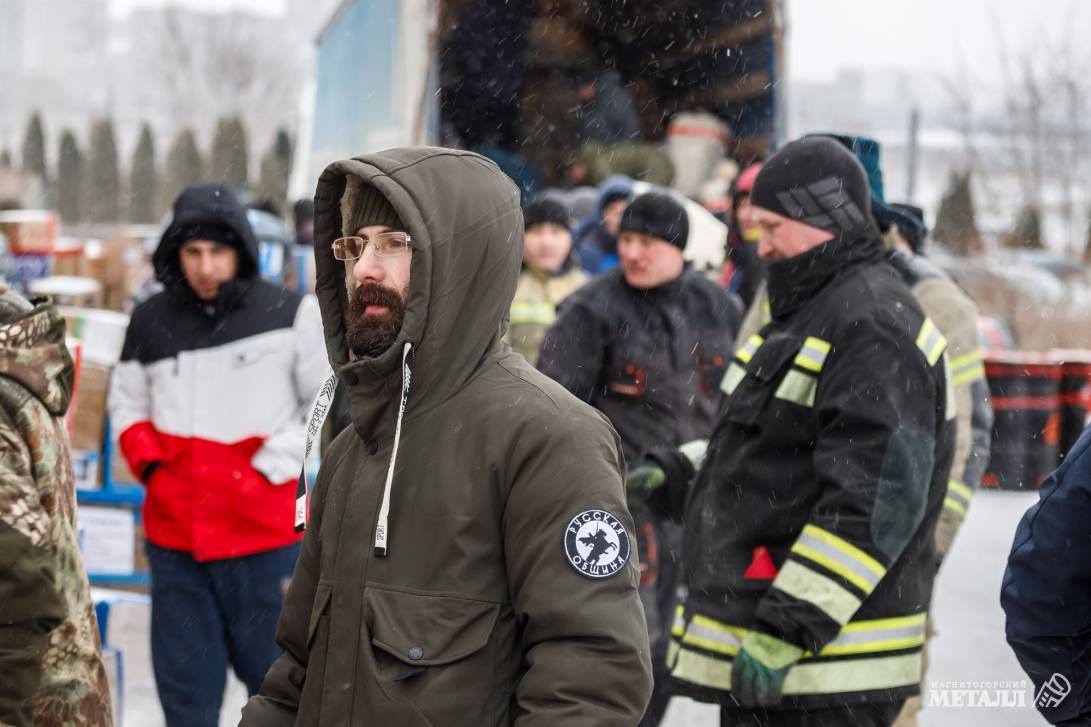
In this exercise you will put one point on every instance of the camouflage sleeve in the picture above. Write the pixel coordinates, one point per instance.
(30, 604)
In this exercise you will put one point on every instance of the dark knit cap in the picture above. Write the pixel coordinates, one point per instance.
(545, 212)
(658, 215)
(372, 208)
(818, 182)
(914, 234)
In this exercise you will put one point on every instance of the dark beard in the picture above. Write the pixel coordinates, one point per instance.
(371, 335)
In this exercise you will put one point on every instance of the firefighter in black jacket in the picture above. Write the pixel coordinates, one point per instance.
(808, 552)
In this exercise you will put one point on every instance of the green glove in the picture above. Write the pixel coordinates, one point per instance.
(759, 670)
(640, 483)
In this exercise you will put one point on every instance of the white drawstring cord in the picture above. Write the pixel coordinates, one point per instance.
(384, 510)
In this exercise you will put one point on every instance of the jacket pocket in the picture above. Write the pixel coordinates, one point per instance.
(763, 371)
(430, 653)
(318, 638)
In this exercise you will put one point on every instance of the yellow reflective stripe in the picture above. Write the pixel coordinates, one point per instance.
(766, 311)
(839, 556)
(525, 312)
(714, 636)
(695, 452)
(798, 388)
(931, 342)
(747, 352)
(734, 376)
(854, 675)
(950, 408)
(891, 634)
(824, 593)
(960, 489)
(702, 670)
(968, 368)
(679, 626)
(813, 354)
(856, 637)
(833, 677)
(958, 497)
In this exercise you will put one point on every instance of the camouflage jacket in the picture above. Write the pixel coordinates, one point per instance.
(49, 647)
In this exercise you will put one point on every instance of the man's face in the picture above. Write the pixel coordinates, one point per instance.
(783, 238)
(380, 295)
(611, 216)
(744, 218)
(648, 262)
(546, 247)
(206, 265)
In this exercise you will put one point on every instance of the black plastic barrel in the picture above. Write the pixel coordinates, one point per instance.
(1026, 419)
(1075, 396)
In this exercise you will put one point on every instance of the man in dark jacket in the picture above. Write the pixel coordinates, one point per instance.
(210, 397)
(809, 548)
(596, 241)
(647, 345)
(1045, 591)
(468, 555)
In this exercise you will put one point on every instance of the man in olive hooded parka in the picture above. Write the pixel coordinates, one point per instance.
(506, 593)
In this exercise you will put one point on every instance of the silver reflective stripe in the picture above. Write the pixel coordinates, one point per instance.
(911, 632)
(837, 560)
(712, 636)
(813, 354)
(931, 342)
(747, 352)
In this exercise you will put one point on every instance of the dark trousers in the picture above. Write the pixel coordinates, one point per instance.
(659, 600)
(863, 715)
(208, 615)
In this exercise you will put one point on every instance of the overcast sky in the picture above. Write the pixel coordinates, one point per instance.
(925, 35)
(827, 35)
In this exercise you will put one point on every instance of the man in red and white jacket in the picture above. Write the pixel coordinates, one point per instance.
(210, 399)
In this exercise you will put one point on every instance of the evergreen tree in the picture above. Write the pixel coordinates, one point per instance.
(102, 180)
(5, 159)
(34, 156)
(1028, 229)
(143, 208)
(69, 183)
(956, 225)
(230, 153)
(34, 148)
(183, 168)
(276, 167)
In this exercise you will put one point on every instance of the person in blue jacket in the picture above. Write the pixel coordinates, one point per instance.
(1047, 591)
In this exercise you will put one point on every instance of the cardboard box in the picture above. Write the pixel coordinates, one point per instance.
(30, 231)
(29, 268)
(69, 290)
(101, 332)
(89, 406)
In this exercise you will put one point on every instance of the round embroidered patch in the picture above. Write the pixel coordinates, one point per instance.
(596, 544)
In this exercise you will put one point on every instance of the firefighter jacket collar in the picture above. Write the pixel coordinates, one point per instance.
(795, 281)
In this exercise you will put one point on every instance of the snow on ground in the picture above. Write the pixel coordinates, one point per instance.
(970, 646)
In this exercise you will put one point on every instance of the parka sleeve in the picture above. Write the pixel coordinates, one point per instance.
(1045, 587)
(573, 349)
(879, 408)
(277, 702)
(584, 638)
(30, 601)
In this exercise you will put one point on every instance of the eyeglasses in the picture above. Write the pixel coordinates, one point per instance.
(385, 244)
